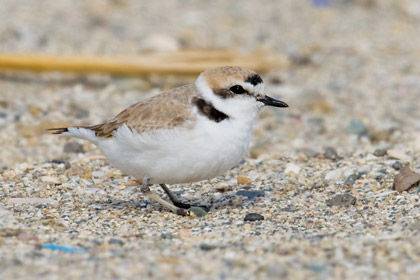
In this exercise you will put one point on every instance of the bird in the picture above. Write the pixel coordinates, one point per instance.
(187, 134)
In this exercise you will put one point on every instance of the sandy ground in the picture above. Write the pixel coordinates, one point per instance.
(320, 172)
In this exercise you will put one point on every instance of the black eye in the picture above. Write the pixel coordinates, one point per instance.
(237, 89)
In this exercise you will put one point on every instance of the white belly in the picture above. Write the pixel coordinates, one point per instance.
(180, 155)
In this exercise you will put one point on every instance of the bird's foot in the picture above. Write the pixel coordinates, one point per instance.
(183, 205)
(175, 201)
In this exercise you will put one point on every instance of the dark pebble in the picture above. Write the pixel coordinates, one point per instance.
(198, 211)
(397, 165)
(331, 153)
(317, 268)
(361, 174)
(342, 200)
(250, 194)
(115, 241)
(67, 164)
(357, 127)
(73, 147)
(253, 217)
(166, 235)
(290, 209)
(207, 247)
(350, 180)
(379, 152)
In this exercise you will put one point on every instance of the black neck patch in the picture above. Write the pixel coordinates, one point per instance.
(254, 79)
(209, 111)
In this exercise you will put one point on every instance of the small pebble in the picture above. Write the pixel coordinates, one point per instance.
(397, 154)
(334, 174)
(290, 208)
(342, 200)
(250, 194)
(198, 211)
(292, 168)
(356, 127)
(397, 165)
(116, 241)
(379, 152)
(166, 235)
(406, 179)
(253, 217)
(331, 153)
(57, 161)
(207, 247)
(243, 180)
(350, 180)
(50, 180)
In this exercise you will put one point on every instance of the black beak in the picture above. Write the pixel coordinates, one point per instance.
(268, 101)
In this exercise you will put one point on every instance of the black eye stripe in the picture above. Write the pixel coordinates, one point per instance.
(237, 89)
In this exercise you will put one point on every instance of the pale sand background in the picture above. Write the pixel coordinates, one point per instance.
(354, 86)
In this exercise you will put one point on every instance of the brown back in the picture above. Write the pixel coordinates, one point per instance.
(164, 111)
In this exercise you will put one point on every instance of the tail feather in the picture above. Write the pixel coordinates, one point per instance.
(58, 130)
(81, 132)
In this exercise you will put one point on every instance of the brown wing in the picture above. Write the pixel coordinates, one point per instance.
(166, 110)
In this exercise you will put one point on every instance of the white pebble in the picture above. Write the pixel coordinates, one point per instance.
(334, 174)
(50, 180)
(292, 168)
(397, 154)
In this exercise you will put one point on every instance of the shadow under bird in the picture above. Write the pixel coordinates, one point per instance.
(187, 134)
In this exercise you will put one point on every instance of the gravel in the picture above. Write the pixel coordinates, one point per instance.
(251, 217)
(342, 200)
(352, 90)
(9, 226)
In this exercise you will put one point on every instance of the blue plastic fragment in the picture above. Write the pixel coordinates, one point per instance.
(66, 249)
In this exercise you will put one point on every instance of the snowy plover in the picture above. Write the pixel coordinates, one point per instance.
(187, 134)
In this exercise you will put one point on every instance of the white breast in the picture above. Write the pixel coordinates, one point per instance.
(180, 155)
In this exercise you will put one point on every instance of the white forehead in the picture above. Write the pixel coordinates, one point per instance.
(256, 89)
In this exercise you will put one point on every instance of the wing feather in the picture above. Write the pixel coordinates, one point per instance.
(166, 110)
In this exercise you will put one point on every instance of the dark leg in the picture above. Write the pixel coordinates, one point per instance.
(152, 196)
(177, 202)
(173, 198)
